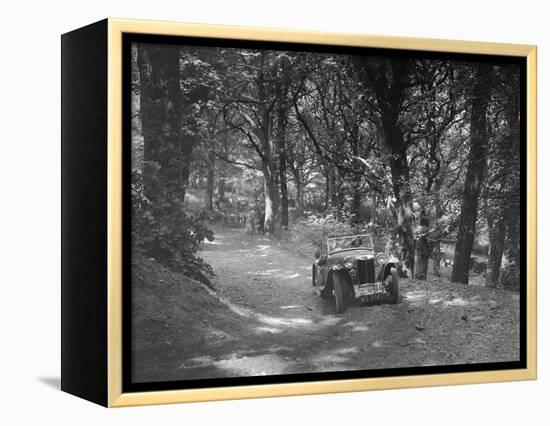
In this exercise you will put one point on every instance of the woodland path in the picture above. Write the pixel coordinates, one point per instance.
(293, 330)
(264, 319)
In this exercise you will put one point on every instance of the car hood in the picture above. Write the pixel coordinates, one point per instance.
(354, 254)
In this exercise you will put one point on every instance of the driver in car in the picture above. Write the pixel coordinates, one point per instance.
(357, 242)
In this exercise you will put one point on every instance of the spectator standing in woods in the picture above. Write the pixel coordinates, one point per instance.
(251, 222)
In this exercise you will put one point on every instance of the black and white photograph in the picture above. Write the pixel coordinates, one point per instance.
(300, 209)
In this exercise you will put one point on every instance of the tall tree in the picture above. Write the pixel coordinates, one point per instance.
(282, 112)
(161, 116)
(172, 87)
(477, 158)
(438, 112)
(250, 110)
(390, 79)
(501, 193)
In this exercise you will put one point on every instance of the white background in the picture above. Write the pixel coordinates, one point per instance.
(30, 200)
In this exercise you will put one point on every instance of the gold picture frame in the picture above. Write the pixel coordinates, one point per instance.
(115, 30)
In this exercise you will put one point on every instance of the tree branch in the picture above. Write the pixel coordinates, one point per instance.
(237, 163)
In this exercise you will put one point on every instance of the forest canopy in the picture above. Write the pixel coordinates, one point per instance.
(425, 151)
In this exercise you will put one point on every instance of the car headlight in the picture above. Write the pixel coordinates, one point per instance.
(381, 258)
(348, 262)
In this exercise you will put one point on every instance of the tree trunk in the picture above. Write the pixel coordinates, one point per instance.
(328, 188)
(388, 78)
(337, 199)
(165, 141)
(137, 143)
(299, 193)
(513, 200)
(374, 213)
(299, 199)
(183, 167)
(474, 175)
(403, 194)
(284, 194)
(437, 253)
(281, 148)
(497, 233)
(437, 256)
(209, 201)
(221, 188)
(423, 249)
(269, 160)
(356, 200)
(270, 191)
(356, 178)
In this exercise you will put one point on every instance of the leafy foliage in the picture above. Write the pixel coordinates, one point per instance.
(316, 230)
(354, 139)
(165, 231)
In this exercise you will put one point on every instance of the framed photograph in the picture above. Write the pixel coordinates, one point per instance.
(254, 212)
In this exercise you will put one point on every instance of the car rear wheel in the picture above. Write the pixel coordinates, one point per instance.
(339, 294)
(394, 286)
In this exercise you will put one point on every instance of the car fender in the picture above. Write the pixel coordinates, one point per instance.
(323, 276)
(385, 270)
(326, 275)
(393, 260)
(328, 281)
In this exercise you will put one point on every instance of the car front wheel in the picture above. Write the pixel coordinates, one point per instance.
(394, 286)
(338, 284)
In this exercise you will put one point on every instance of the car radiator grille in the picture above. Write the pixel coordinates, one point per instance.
(365, 271)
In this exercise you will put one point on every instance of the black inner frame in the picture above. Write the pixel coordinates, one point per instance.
(129, 386)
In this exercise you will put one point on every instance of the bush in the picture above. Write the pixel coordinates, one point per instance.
(510, 277)
(164, 231)
(315, 230)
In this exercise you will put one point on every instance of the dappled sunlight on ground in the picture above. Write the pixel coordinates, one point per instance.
(269, 320)
(418, 297)
(253, 366)
(459, 301)
(271, 330)
(415, 295)
(331, 357)
(266, 272)
(330, 320)
(355, 326)
(344, 351)
(284, 321)
(291, 276)
(278, 274)
(242, 364)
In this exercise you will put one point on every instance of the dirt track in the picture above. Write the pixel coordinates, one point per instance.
(264, 319)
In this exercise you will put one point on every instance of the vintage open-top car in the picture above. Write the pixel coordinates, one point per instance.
(350, 269)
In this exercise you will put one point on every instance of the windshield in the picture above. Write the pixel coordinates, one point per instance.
(349, 243)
